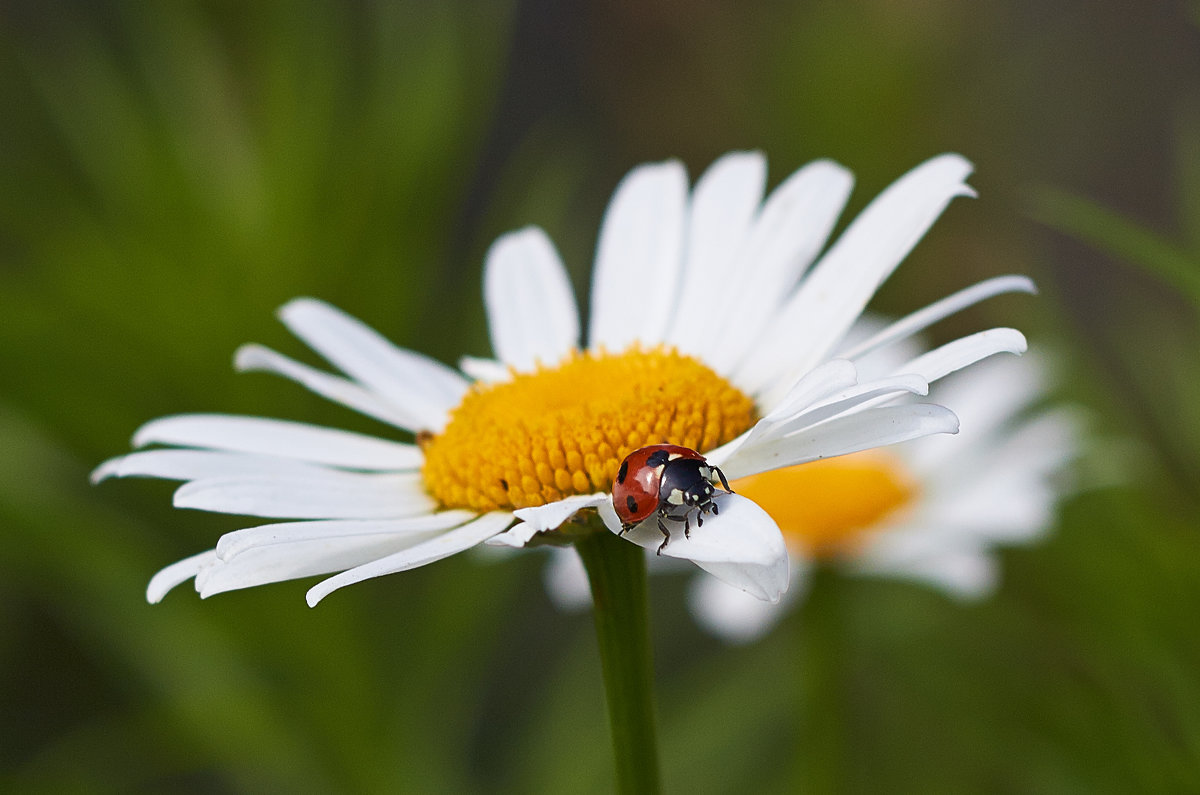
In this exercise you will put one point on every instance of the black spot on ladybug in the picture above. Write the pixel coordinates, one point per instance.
(632, 504)
(658, 458)
(623, 471)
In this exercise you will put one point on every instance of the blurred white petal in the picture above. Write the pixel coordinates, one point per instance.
(736, 616)
(566, 580)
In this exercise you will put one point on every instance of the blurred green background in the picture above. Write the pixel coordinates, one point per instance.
(170, 173)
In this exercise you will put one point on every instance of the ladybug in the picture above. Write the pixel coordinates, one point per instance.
(669, 480)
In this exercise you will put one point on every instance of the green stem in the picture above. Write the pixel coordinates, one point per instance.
(617, 573)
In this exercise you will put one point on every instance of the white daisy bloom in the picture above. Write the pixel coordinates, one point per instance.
(712, 324)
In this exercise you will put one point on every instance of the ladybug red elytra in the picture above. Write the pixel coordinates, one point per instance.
(670, 480)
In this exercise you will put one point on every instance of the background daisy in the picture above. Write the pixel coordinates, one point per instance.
(931, 510)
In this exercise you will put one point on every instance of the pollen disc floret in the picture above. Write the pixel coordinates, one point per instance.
(563, 430)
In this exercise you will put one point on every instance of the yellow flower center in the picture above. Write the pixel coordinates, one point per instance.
(564, 430)
(828, 507)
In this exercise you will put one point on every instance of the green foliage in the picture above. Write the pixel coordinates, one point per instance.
(171, 173)
(1111, 232)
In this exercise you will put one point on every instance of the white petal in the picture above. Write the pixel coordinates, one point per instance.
(883, 360)
(924, 318)
(850, 433)
(734, 615)
(996, 389)
(821, 382)
(530, 305)
(515, 537)
(608, 515)
(724, 204)
(789, 232)
(233, 544)
(541, 518)
(639, 257)
(961, 352)
(965, 574)
(292, 440)
(1006, 489)
(435, 549)
(551, 515)
(195, 464)
(845, 401)
(488, 371)
(815, 319)
(1007, 509)
(814, 386)
(176, 574)
(332, 387)
(985, 396)
(566, 580)
(400, 375)
(741, 546)
(340, 495)
(280, 562)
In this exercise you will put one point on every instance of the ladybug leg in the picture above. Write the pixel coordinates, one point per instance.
(687, 528)
(667, 533)
(724, 482)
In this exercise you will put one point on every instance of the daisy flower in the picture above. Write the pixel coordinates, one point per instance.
(713, 317)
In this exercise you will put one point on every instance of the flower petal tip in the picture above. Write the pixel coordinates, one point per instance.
(248, 357)
(1023, 284)
(551, 515)
(314, 596)
(299, 304)
(953, 425)
(516, 536)
(106, 470)
(1012, 341)
(952, 161)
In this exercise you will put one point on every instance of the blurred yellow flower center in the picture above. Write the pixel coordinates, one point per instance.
(564, 430)
(829, 507)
